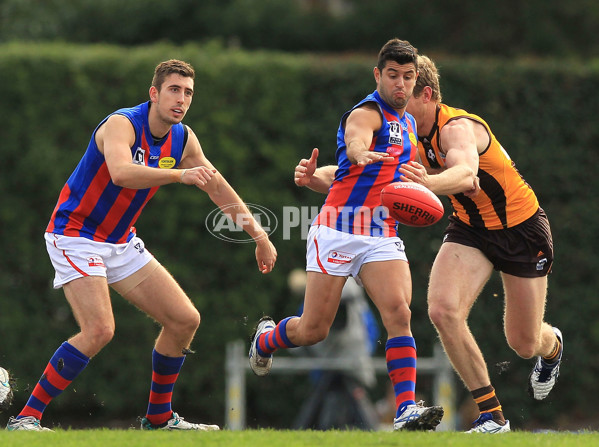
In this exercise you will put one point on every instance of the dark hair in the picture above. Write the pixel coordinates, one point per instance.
(400, 51)
(171, 66)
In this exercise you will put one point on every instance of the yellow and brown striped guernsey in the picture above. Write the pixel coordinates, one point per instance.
(505, 199)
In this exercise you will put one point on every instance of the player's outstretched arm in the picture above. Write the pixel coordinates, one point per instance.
(461, 163)
(114, 139)
(309, 175)
(360, 125)
(224, 196)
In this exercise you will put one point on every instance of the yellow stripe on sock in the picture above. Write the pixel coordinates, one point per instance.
(480, 399)
(556, 348)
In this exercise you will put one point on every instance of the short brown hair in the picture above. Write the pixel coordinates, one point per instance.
(400, 51)
(428, 76)
(171, 66)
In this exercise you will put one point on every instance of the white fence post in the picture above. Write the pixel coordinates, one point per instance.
(235, 386)
(444, 392)
(237, 365)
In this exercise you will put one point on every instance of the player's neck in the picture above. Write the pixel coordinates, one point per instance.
(158, 127)
(429, 119)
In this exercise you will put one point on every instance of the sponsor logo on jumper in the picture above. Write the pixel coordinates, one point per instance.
(431, 155)
(395, 133)
(166, 163)
(139, 156)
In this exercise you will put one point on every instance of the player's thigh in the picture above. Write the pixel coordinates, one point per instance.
(457, 277)
(321, 300)
(123, 286)
(89, 298)
(388, 284)
(525, 300)
(161, 297)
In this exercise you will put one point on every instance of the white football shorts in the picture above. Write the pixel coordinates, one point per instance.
(76, 257)
(343, 254)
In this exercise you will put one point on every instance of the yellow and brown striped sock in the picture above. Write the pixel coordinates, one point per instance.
(487, 402)
(554, 354)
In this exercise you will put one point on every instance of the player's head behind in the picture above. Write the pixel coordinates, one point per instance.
(166, 68)
(397, 50)
(428, 76)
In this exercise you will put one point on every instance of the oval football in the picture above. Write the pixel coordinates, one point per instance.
(412, 204)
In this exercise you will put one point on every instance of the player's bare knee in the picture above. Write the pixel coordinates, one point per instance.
(99, 335)
(442, 316)
(189, 323)
(195, 320)
(524, 347)
(397, 319)
(446, 318)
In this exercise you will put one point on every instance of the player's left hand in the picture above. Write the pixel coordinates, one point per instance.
(198, 176)
(305, 169)
(266, 255)
(414, 172)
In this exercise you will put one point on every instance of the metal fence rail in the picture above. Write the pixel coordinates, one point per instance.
(236, 367)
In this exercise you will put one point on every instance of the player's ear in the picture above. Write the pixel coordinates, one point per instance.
(377, 74)
(427, 91)
(153, 94)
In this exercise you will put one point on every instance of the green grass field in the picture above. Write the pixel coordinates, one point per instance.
(288, 438)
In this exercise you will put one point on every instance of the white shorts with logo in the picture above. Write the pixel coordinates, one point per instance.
(76, 257)
(343, 254)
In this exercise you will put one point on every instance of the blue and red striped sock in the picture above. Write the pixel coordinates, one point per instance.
(66, 364)
(165, 371)
(401, 365)
(269, 342)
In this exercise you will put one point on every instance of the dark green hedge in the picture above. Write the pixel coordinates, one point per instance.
(509, 28)
(256, 115)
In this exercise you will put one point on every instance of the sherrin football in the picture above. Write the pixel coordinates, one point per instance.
(412, 204)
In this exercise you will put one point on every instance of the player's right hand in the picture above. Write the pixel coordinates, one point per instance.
(368, 157)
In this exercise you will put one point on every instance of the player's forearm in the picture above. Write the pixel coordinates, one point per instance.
(354, 147)
(322, 179)
(454, 180)
(225, 197)
(134, 176)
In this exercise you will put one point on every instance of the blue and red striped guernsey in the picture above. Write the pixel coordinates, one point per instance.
(353, 204)
(91, 206)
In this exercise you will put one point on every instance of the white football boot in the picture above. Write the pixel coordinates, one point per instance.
(176, 422)
(261, 365)
(5, 389)
(418, 417)
(544, 375)
(486, 424)
(27, 423)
